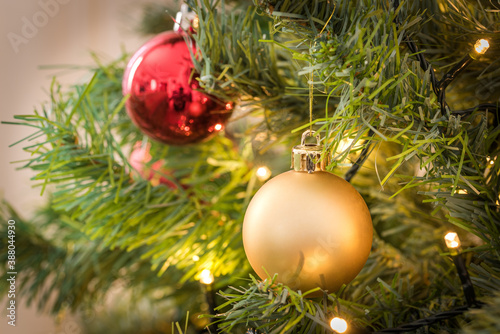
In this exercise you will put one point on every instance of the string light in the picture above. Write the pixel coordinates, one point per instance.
(218, 127)
(344, 145)
(489, 165)
(479, 49)
(196, 258)
(452, 240)
(263, 173)
(481, 46)
(347, 143)
(196, 23)
(206, 277)
(339, 325)
(453, 244)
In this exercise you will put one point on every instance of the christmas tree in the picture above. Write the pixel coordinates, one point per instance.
(143, 232)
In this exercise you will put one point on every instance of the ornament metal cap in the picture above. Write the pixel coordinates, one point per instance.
(308, 157)
(184, 18)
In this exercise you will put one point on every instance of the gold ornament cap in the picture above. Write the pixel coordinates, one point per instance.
(308, 157)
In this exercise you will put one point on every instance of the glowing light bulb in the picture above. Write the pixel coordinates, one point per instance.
(339, 325)
(196, 258)
(344, 145)
(347, 144)
(263, 173)
(481, 46)
(218, 127)
(206, 277)
(196, 22)
(452, 240)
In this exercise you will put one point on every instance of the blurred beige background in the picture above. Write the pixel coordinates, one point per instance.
(49, 32)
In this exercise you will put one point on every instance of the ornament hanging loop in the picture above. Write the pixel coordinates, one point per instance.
(309, 157)
(310, 133)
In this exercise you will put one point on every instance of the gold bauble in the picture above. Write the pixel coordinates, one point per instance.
(312, 229)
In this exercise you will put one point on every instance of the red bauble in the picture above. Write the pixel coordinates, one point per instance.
(165, 102)
(139, 158)
(155, 173)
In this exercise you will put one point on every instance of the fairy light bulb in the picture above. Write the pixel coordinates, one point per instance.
(481, 46)
(344, 145)
(263, 173)
(206, 277)
(452, 240)
(196, 258)
(339, 325)
(196, 23)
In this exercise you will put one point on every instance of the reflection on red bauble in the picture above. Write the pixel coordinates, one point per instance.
(165, 101)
